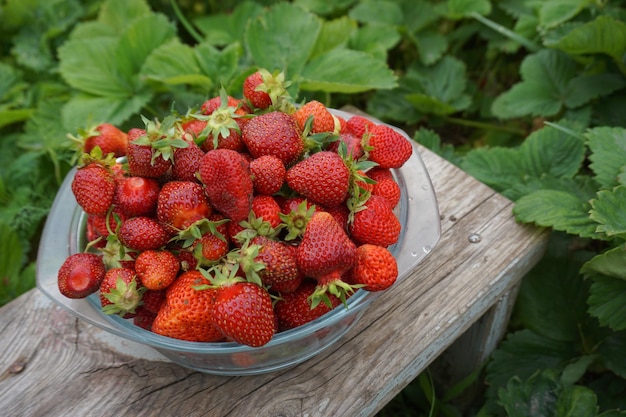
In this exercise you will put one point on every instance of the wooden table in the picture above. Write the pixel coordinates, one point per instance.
(53, 364)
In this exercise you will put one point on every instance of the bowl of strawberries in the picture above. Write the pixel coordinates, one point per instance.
(242, 237)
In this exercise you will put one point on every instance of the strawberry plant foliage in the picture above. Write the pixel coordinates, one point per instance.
(551, 83)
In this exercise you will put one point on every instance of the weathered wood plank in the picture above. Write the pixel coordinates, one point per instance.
(56, 365)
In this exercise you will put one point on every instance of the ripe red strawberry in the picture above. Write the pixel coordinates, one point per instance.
(274, 133)
(376, 223)
(341, 214)
(187, 311)
(253, 91)
(109, 138)
(136, 196)
(359, 125)
(144, 318)
(294, 309)
(97, 224)
(326, 252)
(80, 275)
(375, 268)
(182, 203)
(323, 120)
(296, 213)
(286, 287)
(194, 127)
(120, 292)
(386, 186)
(143, 233)
(93, 187)
(388, 148)
(227, 182)
(281, 268)
(142, 159)
(322, 178)
(352, 143)
(212, 104)
(187, 162)
(156, 269)
(243, 313)
(188, 261)
(210, 248)
(265, 207)
(213, 244)
(153, 300)
(268, 174)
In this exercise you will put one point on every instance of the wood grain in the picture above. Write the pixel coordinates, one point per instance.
(55, 365)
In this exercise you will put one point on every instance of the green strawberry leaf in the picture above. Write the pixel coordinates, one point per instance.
(584, 88)
(542, 395)
(611, 263)
(498, 167)
(89, 65)
(545, 78)
(607, 301)
(346, 71)
(334, 34)
(222, 29)
(582, 186)
(175, 63)
(458, 9)
(431, 46)
(608, 210)
(552, 299)
(282, 38)
(559, 210)
(553, 13)
(577, 369)
(604, 35)
(119, 14)
(85, 110)
(551, 82)
(612, 352)
(141, 38)
(432, 141)
(576, 401)
(10, 263)
(373, 36)
(390, 105)
(418, 15)
(523, 353)
(552, 152)
(608, 111)
(379, 12)
(220, 65)
(440, 88)
(608, 154)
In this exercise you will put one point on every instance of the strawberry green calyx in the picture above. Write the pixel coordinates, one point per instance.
(124, 298)
(358, 190)
(255, 226)
(220, 122)
(315, 142)
(296, 221)
(276, 87)
(332, 284)
(220, 275)
(113, 252)
(96, 156)
(163, 136)
(197, 229)
(245, 259)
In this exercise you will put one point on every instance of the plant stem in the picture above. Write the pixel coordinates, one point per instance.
(528, 44)
(483, 125)
(183, 20)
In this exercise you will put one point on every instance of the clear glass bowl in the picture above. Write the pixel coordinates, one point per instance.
(64, 234)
